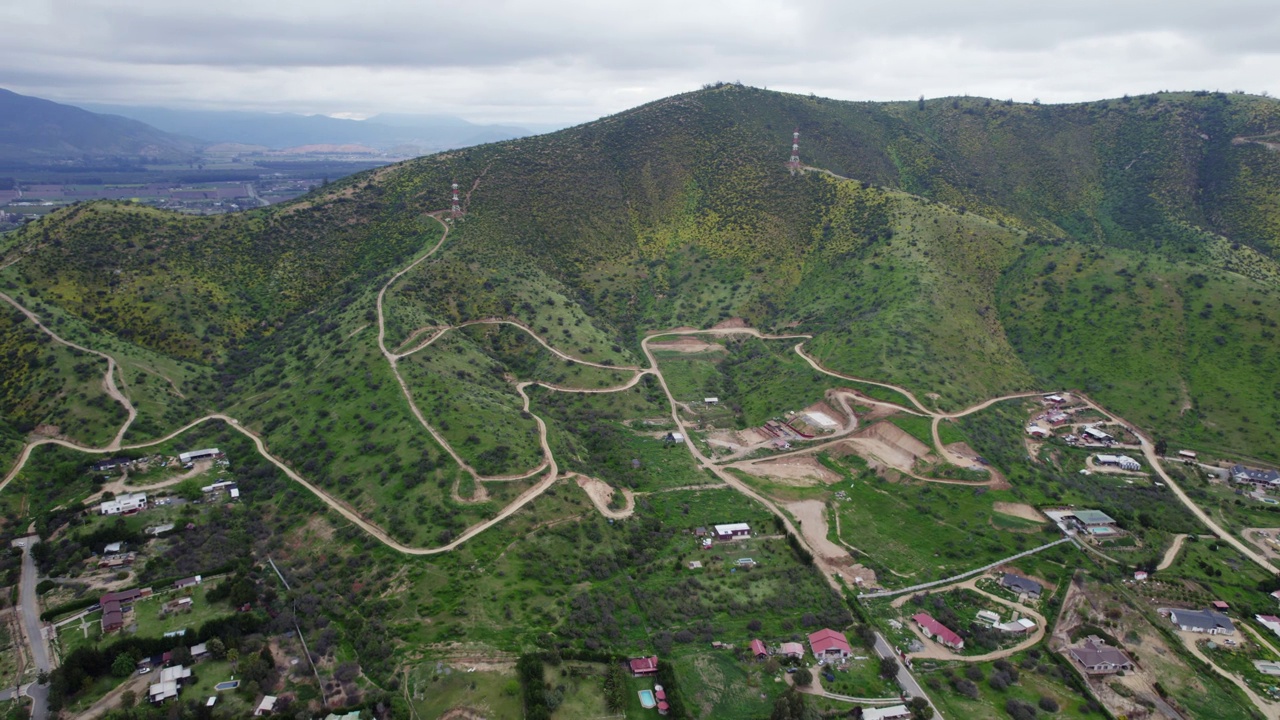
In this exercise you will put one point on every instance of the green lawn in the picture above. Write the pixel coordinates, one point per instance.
(954, 527)
(146, 613)
(1037, 678)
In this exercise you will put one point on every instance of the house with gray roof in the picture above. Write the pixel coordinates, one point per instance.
(1099, 658)
(1021, 585)
(1203, 621)
(1254, 476)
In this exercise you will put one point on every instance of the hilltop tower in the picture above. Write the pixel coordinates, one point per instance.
(794, 162)
(455, 212)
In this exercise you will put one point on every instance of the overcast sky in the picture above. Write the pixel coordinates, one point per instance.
(565, 61)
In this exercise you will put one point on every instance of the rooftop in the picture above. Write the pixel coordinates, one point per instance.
(1093, 517)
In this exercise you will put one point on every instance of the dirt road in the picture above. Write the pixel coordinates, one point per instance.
(937, 652)
(108, 380)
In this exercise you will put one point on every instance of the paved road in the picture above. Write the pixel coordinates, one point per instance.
(905, 680)
(962, 576)
(29, 608)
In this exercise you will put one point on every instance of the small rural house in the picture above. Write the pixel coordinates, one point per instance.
(1253, 476)
(644, 666)
(1140, 575)
(1097, 435)
(732, 531)
(266, 707)
(938, 632)
(124, 504)
(116, 604)
(1203, 621)
(1093, 518)
(1099, 658)
(187, 582)
(759, 650)
(791, 650)
(1021, 585)
(170, 683)
(827, 643)
(1270, 622)
(194, 455)
(892, 712)
(1124, 462)
(1038, 432)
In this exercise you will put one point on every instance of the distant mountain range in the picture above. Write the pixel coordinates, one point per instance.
(420, 133)
(38, 131)
(35, 130)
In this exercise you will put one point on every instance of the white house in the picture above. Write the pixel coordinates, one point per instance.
(1270, 622)
(893, 712)
(1124, 462)
(123, 504)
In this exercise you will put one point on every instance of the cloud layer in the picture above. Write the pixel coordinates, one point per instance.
(571, 60)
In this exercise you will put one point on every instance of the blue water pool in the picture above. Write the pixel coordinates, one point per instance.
(646, 698)
(228, 685)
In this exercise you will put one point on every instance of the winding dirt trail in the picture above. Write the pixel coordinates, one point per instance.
(108, 380)
(937, 652)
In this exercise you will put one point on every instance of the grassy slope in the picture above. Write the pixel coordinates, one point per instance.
(47, 383)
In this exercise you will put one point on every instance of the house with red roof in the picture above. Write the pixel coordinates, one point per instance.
(935, 630)
(1270, 622)
(829, 643)
(759, 650)
(793, 650)
(641, 667)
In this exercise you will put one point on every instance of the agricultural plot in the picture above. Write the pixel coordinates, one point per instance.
(955, 527)
(715, 685)
(1031, 679)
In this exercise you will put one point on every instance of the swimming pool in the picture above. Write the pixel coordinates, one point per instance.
(227, 685)
(646, 699)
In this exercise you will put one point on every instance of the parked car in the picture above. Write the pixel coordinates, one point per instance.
(145, 670)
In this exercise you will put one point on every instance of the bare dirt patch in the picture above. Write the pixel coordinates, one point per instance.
(1019, 510)
(812, 517)
(800, 470)
(730, 323)
(601, 494)
(890, 445)
(687, 344)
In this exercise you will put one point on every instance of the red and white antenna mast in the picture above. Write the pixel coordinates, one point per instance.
(455, 211)
(794, 162)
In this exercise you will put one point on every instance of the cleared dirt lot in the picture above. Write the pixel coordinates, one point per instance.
(889, 444)
(802, 470)
(832, 558)
(686, 344)
(601, 494)
(1020, 510)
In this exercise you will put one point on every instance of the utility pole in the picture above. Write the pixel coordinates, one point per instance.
(455, 212)
(794, 162)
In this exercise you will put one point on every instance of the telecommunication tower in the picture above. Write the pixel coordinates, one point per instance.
(455, 211)
(794, 162)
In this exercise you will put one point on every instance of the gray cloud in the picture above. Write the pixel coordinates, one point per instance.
(573, 60)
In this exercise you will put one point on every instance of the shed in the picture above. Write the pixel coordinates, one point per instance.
(759, 650)
(267, 706)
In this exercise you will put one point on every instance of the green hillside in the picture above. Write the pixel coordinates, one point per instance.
(420, 377)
